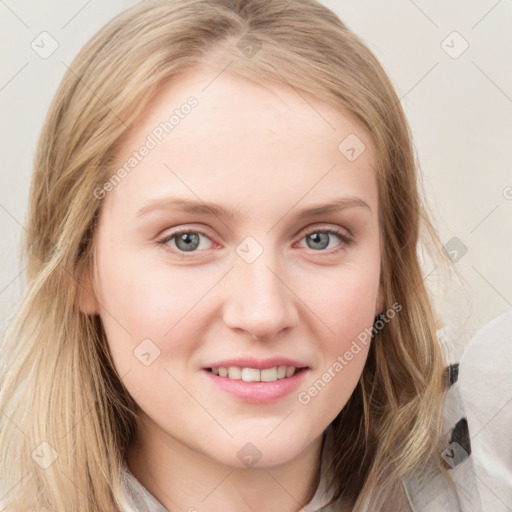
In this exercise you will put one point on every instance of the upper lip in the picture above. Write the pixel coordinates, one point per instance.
(259, 364)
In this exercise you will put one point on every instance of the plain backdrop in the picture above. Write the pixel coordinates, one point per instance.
(449, 61)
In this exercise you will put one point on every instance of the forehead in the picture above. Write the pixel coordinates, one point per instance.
(233, 102)
(243, 139)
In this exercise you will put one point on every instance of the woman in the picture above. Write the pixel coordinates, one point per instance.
(225, 308)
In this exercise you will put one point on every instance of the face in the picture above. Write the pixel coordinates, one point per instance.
(254, 283)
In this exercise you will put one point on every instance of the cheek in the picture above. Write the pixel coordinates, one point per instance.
(346, 301)
(142, 310)
(140, 302)
(347, 307)
(325, 395)
(352, 311)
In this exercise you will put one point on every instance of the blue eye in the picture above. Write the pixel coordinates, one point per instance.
(186, 241)
(321, 238)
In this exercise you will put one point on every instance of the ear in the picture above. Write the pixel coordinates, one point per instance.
(85, 294)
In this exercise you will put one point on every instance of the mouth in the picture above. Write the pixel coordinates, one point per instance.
(256, 381)
(248, 374)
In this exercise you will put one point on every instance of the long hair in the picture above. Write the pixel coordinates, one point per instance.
(66, 419)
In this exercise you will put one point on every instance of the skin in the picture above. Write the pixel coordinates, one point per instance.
(267, 153)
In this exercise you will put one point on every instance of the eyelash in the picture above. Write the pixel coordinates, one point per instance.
(345, 240)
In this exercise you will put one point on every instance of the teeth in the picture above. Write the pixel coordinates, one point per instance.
(255, 375)
(268, 375)
(234, 372)
(250, 375)
(281, 372)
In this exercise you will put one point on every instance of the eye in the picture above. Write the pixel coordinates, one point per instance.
(319, 239)
(183, 241)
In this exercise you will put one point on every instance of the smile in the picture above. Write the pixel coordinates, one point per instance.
(254, 374)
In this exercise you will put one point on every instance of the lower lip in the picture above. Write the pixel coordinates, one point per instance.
(258, 392)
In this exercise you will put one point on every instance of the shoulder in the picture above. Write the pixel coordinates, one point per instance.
(485, 378)
(455, 488)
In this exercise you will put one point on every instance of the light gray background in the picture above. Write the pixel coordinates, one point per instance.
(459, 110)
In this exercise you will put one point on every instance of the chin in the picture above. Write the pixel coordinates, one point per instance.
(258, 451)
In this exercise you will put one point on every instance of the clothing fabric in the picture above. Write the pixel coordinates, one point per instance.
(430, 491)
(486, 387)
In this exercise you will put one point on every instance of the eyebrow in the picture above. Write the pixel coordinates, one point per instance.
(212, 209)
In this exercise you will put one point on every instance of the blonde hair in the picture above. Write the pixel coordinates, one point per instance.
(58, 383)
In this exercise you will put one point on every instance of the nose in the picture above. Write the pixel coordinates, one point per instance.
(259, 300)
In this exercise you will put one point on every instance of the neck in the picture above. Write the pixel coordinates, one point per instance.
(181, 478)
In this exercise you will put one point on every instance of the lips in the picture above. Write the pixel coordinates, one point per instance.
(257, 380)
